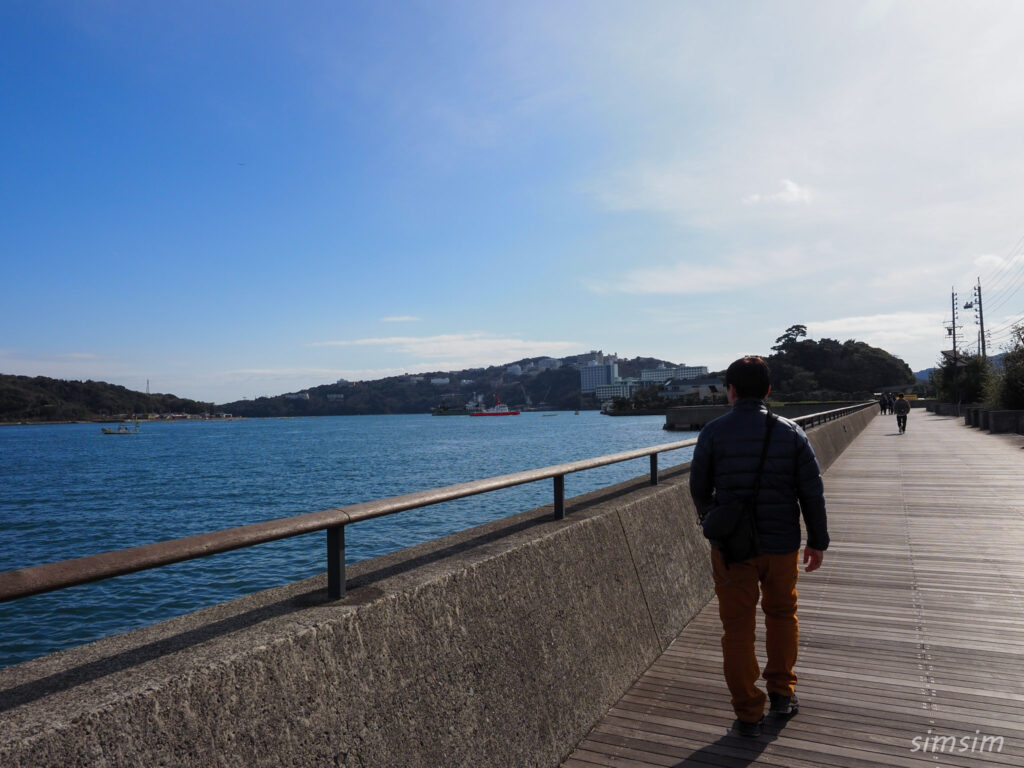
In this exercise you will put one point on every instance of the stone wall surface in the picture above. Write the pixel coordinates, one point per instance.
(497, 646)
(986, 418)
(829, 440)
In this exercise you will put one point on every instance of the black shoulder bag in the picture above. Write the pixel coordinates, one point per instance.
(733, 527)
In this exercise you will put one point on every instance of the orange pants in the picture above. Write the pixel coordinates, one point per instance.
(738, 588)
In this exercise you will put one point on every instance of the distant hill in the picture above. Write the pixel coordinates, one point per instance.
(555, 389)
(995, 360)
(800, 368)
(42, 399)
(829, 369)
(38, 398)
(804, 369)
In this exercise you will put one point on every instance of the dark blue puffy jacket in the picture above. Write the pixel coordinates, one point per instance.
(725, 464)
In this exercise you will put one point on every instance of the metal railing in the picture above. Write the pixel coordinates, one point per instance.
(49, 577)
(814, 419)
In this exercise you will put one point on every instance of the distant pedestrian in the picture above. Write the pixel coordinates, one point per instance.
(902, 409)
(882, 403)
(892, 404)
(741, 458)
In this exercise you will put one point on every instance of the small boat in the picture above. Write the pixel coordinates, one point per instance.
(449, 410)
(498, 409)
(454, 408)
(122, 429)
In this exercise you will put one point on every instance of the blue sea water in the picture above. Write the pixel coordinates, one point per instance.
(67, 491)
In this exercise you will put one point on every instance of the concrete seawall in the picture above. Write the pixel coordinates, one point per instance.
(685, 418)
(831, 439)
(498, 646)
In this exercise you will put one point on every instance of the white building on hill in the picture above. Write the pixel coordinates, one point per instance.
(620, 388)
(662, 374)
(595, 374)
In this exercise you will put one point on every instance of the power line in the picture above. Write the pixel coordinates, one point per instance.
(1008, 261)
(1006, 338)
(1007, 291)
(1006, 326)
(1004, 341)
(1004, 287)
(1008, 279)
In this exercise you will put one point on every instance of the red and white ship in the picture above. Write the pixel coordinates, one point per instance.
(498, 409)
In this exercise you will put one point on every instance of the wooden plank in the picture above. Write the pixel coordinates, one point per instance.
(913, 629)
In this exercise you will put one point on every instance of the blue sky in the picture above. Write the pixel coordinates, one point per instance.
(235, 199)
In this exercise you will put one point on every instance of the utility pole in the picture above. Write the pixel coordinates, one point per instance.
(952, 328)
(979, 317)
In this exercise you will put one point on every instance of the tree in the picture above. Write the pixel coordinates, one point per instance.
(963, 379)
(832, 369)
(788, 340)
(804, 381)
(1008, 387)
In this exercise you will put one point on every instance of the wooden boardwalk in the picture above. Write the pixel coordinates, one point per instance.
(912, 631)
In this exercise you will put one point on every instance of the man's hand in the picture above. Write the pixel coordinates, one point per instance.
(812, 559)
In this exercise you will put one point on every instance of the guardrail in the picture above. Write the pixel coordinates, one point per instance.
(814, 419)
(49, 577)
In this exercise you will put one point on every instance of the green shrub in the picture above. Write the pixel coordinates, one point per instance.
(1007, 389)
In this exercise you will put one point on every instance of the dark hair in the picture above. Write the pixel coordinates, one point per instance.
(750, 376)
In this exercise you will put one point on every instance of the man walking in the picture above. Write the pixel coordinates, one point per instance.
(902, 408)
(724, 470)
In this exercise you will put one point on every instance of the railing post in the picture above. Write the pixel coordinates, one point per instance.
(559, 497)
(336, 562)
(654, 469)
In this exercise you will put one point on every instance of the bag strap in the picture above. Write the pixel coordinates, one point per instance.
(770, 422)
(750, 510)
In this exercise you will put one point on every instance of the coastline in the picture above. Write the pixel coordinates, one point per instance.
(118, 421)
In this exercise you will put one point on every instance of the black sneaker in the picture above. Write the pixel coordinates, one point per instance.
(748, 730)
(783, 706)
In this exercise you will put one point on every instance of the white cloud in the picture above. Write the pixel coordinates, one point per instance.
(790, 194)
(681, 278)
(400, 319)
(880, 130)
(1004, 273)
(658, 187)
(713, 275)
(902, 333)
(461, 349)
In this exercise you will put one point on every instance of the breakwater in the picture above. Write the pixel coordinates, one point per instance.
(495, 646)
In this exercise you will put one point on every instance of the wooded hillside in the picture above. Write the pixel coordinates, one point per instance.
(829, 369)
(38, 398)
(557, 389)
